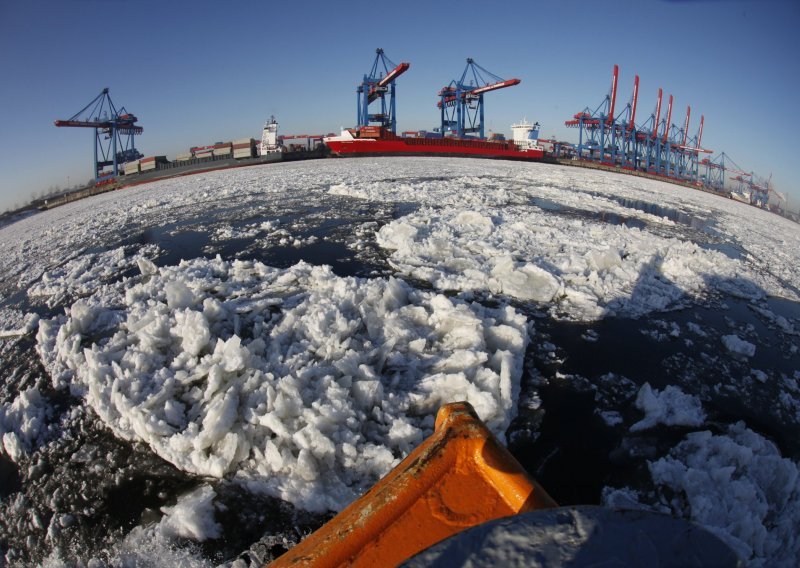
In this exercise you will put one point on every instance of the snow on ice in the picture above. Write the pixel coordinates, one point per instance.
(306, 385)
(83, 274)
(479, 228)
(586, 269)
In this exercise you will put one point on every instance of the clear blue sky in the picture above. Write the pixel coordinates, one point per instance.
(198, 72)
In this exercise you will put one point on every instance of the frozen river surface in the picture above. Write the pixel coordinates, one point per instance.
(200, 371)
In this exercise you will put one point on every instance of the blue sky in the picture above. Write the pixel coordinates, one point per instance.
(199, 72)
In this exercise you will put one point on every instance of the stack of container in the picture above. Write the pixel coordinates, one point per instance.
(131, 167)
(223, 149)
(203, 152)
(185, 157)
(147, 164)
(244, 148)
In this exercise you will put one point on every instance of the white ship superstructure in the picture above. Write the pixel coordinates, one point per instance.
(526, 135)
(269, 137)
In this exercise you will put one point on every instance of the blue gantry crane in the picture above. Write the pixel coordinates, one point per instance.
(716, 169)
(114, 131)
(461, 101)
(378, 86)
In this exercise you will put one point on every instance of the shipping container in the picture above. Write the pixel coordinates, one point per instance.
(225, 151)
(131, 167)
(150, 163)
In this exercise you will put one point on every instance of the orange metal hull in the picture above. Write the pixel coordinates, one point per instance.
(461, 476)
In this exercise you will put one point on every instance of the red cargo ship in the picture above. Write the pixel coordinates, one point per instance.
(378, 141)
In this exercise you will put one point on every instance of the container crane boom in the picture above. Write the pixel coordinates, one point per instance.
(123, 126)
(394, 74)
(495, 86)
(669, 118)
(386, 80)
(479, 91)
(614, 78)
(654, 133)
(686, 125)
(470, 92)
(635, 99)
(700, 134)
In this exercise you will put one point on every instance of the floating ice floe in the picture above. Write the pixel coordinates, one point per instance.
(738, 346)
(192, 516)
(737, 485)
(14, 323)
(22, 422)
(585, 269)
(670, 407)
(306, 385)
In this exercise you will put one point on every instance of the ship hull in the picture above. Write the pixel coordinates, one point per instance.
(432, 147)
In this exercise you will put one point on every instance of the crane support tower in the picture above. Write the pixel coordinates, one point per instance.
(378, 86)
(461, 101)
(715, 168)
(114, 131)
(623, 131)
(595, 127)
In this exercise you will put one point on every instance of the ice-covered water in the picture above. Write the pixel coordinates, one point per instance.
(202, 368)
